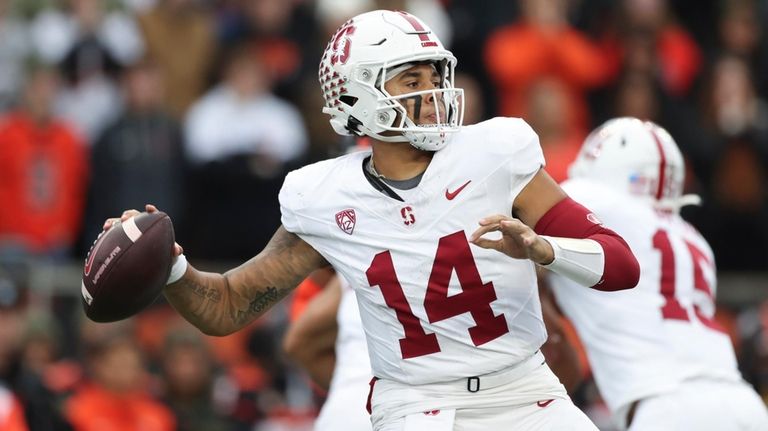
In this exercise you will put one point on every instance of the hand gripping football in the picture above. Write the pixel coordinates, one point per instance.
(127, 267)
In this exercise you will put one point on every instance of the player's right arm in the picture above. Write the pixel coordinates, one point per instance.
(220, 304)
(311, 339)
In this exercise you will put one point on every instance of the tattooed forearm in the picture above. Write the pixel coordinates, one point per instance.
(206, 292)
(219, 304)
(263, 301)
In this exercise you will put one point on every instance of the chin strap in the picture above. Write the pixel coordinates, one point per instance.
(677, 203)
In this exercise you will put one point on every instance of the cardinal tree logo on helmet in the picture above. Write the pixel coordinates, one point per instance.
(336, 53)
(340, 44)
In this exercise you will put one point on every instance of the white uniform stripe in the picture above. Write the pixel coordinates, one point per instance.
(130, 229)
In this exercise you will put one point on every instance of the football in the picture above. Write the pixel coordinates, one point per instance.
(127, 267)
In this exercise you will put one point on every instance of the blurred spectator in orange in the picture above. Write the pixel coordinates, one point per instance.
(139, 158)
(180, 38)
(652, 42)
(543, 45)
(241, 139)
(11, 412)
(43, 174)
(115, 398)
(27, 354)
(262, 384)
(188, 371)
(42, 379)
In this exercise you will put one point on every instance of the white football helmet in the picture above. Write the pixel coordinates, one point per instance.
(638, 157)
(371, 48)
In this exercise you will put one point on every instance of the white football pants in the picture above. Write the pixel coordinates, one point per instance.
(526, 397)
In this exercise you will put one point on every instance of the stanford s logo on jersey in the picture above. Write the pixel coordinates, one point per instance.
(346, 220)
(407, 214)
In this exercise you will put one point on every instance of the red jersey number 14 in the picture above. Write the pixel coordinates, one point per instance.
(453, 254)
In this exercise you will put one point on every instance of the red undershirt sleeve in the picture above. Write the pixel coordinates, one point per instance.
(569, 219)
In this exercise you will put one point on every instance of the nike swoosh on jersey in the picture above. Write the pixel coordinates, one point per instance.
(543, 404)
(450, 195)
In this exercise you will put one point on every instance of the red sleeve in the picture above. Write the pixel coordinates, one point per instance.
(569, 219)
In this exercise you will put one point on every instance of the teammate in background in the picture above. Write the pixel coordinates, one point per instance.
(453, 325)
(660, 360)
(328, 341)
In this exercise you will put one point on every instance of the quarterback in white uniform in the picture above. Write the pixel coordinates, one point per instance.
(438, 229)
(659, 359)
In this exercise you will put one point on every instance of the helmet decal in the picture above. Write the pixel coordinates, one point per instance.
(661, 183)
(341, 44)
(423, 34)
(362, 54)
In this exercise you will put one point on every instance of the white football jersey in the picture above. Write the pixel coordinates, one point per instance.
(647, 340)
(434, 307)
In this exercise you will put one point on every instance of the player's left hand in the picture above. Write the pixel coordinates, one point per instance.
(517, 240)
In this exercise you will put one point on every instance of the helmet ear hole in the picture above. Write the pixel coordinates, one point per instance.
(349, 100)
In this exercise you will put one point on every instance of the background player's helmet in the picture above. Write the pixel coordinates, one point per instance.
(371, 48)
(638, 157)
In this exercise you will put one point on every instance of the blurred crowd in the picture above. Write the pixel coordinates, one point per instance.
(202, 106)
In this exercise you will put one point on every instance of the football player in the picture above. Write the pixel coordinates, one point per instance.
(438, 229)
(660, 360)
